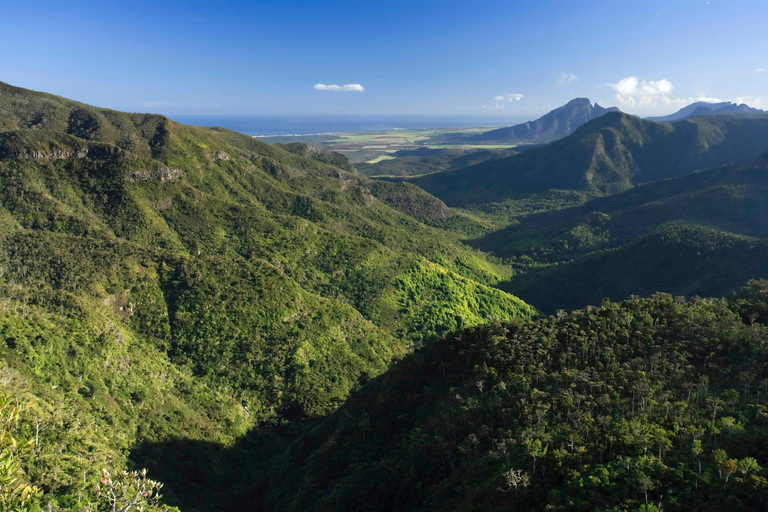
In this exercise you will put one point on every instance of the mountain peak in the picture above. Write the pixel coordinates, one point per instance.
(706, 108)
(578, 102)
(556, 124)
(609, 154)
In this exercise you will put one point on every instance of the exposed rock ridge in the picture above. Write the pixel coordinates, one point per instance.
(55, 154)
(154, 175)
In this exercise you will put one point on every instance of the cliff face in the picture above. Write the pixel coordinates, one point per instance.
(53, 154)
(154, 175)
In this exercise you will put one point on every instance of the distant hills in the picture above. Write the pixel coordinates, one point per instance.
(731, 198)
(605, 156)
(703, 108)
(554, 125)
(701, 234)
(265, 329)
(430, 160)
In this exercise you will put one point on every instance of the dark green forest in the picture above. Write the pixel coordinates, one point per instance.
(607, 155)
(646, 404)
(263, 328)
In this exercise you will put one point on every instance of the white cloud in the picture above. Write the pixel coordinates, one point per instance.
(509, 97)
(500, 105)
(760, 70)
(631, 86)
(346, 87)
(663, 86)
(706, 100)
(626, 86)
(566, 78)
(752, 101)
(632, 92)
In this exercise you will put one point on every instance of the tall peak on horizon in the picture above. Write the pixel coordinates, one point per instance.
(707, 108)
(556, 124)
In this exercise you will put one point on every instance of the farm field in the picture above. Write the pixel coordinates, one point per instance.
(376, 146)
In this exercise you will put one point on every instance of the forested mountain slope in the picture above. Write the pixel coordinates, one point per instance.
(681, 260)
(414, 162)
(605, 156)
(164, 281)
(701, 234)
(732, 198)
(646, 404)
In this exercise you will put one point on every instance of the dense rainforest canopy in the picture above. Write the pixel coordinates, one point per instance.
(264, 329)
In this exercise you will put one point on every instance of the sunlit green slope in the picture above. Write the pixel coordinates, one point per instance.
(170, 281)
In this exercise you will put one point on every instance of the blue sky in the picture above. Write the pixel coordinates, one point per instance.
(450, 57)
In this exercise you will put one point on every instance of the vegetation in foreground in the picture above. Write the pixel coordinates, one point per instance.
(162, 281)
(199, 303)
(648, 404)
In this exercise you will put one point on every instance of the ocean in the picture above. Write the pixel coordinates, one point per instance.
(316, 124)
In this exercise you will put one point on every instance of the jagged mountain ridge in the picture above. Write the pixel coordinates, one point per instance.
(554, 125)
(607, 155)
(701, 108)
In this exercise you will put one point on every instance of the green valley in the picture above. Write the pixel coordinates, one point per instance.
(265, 327)
(202, 278)
(609, 154)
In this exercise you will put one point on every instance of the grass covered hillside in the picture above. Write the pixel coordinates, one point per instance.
(732, 198)
(605, 156)
(649, 404)
(424, 160)
(163, 281)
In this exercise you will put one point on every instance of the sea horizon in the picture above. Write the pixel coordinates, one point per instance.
(286, 125)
